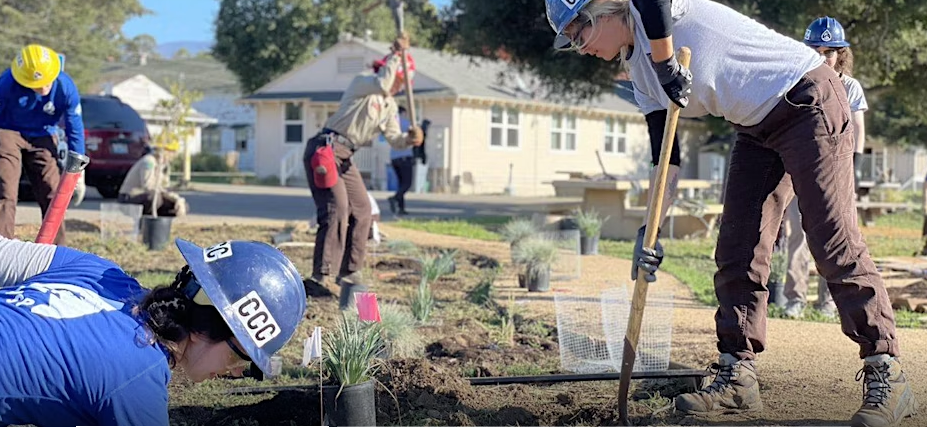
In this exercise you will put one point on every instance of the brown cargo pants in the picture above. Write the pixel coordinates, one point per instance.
(343, 214)
(39, 155)
(806, 142)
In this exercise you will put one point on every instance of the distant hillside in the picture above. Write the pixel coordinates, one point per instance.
(167, 50)
(203, 74)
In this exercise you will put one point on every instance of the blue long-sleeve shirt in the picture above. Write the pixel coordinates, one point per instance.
(73, 351)
(32, 115)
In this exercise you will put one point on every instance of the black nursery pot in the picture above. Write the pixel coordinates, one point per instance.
(354, 406)
(156, 231)
(589, 245)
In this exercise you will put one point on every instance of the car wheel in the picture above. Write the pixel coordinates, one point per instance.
(108, 191)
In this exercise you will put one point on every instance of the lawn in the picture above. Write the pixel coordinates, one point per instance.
(692, 261)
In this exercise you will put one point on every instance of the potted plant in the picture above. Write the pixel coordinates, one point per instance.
(590, 229)
(537, 255)
(156, 231)
(517, 230)
(350, 360)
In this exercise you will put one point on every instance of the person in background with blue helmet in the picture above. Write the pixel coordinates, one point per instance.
(35, 95)
(828, 37)
(792, 120)
(85, 344)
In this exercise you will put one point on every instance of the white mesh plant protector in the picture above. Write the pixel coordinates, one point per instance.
(120, 221)
(591, 328)
(568, 264)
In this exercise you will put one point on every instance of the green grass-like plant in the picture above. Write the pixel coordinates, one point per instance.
(422, 301)
(351, 350)
(589, 222)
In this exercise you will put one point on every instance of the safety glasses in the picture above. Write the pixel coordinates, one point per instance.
(576, 42)
(241, 354)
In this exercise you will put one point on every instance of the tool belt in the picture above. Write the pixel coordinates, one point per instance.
(336, 137)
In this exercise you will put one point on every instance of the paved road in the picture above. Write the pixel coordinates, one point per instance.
(216, 203)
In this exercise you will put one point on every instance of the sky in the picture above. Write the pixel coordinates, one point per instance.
(183, 20)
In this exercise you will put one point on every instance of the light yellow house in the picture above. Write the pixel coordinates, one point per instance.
(492, 128)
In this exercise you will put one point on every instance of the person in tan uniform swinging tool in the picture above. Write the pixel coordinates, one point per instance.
(343, 208)
(140, 184)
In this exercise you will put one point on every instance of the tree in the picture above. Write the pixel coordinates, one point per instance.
(141, 48)
(87, 32)
(259, 40)
(887, 36)
(182, 53)
(518, 31)
(176, 129)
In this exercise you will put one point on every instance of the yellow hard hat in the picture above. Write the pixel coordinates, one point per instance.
(172, 144)
(36, 66)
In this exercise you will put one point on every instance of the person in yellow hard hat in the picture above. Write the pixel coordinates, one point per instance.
(141, 183)
(35, 96)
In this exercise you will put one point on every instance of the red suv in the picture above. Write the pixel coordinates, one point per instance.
(115, 136)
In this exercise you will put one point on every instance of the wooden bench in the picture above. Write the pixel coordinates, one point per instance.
(869, 211)
(683, 223)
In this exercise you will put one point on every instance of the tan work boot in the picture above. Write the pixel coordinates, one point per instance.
(735, 389)
(887, 398)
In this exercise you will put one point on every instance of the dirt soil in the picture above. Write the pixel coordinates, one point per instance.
(801, 382)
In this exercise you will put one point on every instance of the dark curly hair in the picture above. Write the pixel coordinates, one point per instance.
(172, 317)
(844, 63)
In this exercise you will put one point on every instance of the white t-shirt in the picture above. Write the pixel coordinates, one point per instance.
(855, 94)
(741, 69)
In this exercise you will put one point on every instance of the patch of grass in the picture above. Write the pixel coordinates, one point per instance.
(152, 279)
(907, 220)
(525, 369)
(471, 228)
(483, 293)
(398, 327)
(690, 261)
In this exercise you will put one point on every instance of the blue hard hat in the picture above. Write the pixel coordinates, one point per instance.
(255, 288)
(825, 32)
(561, 13)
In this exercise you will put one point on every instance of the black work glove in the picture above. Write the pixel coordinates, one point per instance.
(675, 79)
(646, 258)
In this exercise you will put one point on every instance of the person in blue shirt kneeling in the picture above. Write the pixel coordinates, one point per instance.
(85, 344)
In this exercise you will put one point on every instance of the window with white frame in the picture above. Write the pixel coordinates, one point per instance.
(616, 136)
(293, 122)
(504, 128)
(563, 132)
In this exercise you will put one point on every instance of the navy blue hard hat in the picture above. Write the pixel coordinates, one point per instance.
(560, 13)
(825, 32)
(255, 288)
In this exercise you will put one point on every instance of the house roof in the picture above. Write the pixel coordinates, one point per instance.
(143, 94)
(464, 76)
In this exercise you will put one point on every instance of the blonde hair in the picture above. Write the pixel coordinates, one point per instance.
(598, 8)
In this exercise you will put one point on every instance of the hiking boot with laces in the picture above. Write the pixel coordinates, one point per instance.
(887, 398)
(735, 389)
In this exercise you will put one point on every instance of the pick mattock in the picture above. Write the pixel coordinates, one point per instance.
(639, 300)
(396, 7)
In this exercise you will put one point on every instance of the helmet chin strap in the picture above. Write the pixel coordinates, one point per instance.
(191, 287)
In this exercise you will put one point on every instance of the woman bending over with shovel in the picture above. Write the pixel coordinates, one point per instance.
(84, 344)
(792, 119)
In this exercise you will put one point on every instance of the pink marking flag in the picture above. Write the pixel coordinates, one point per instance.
(367, 307)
